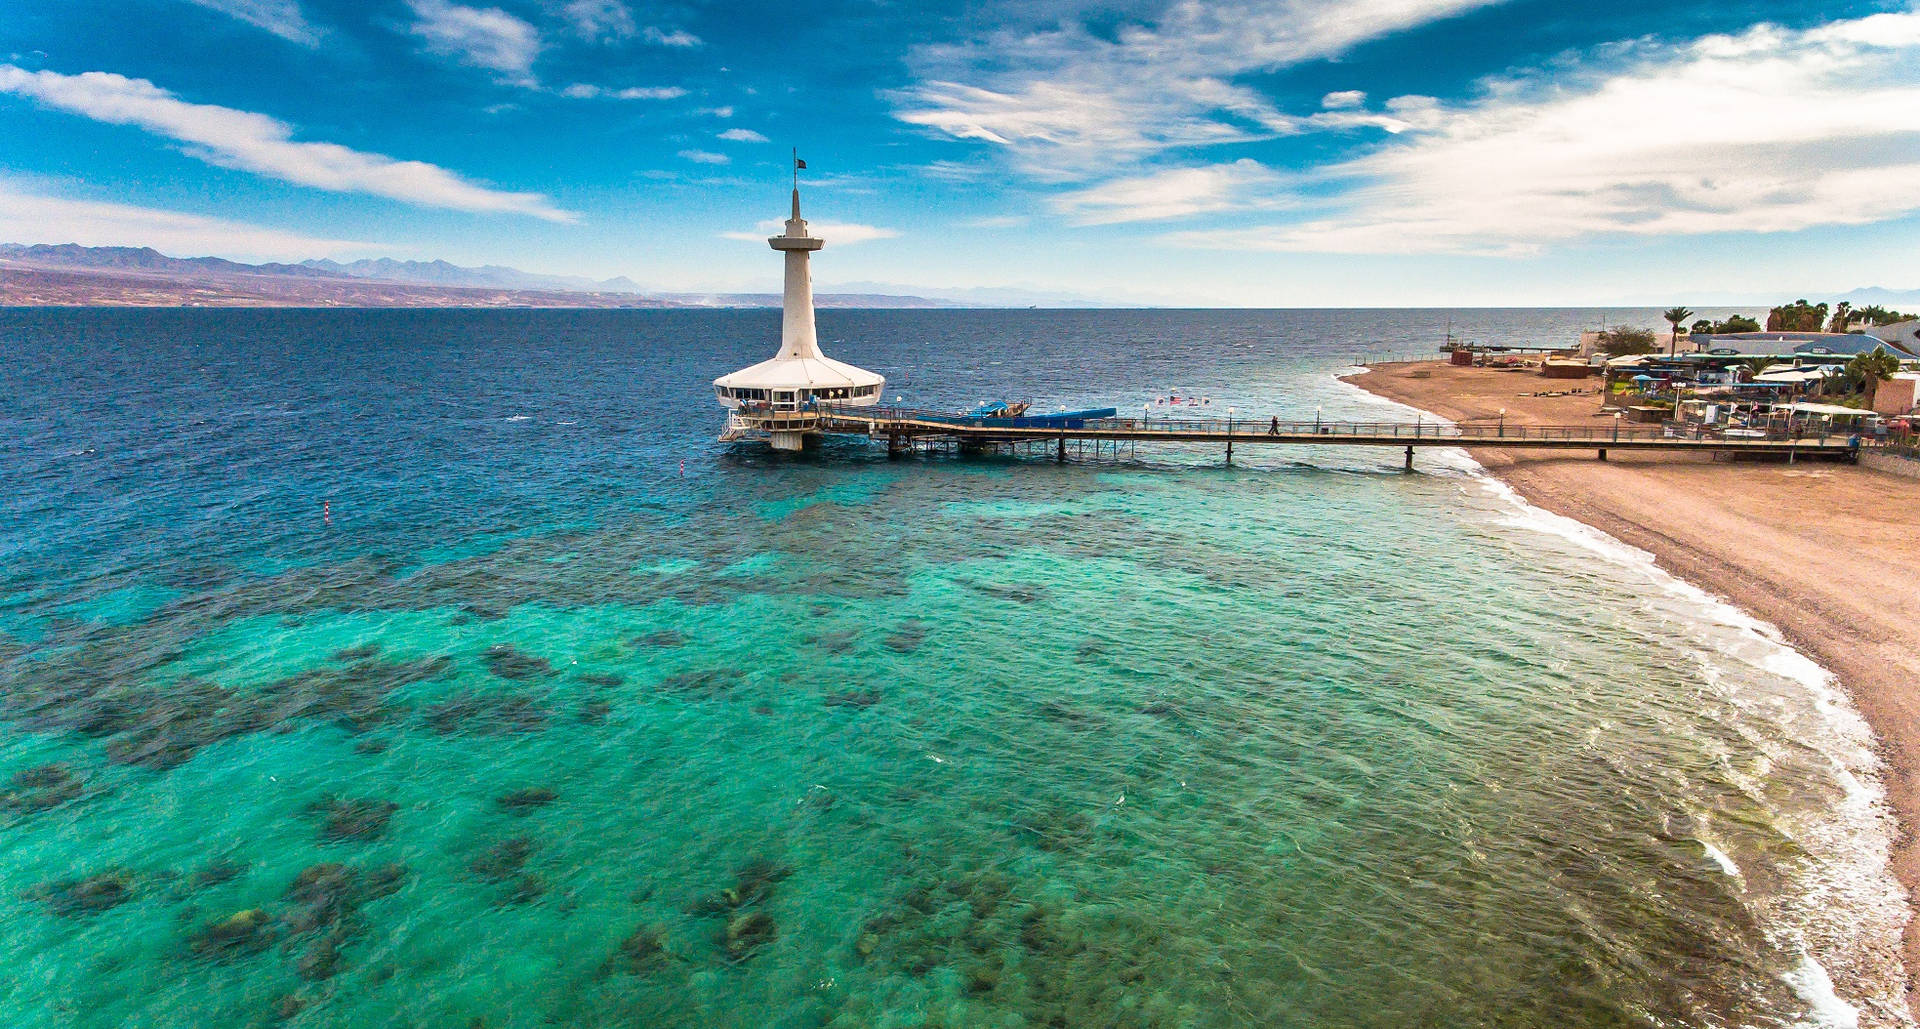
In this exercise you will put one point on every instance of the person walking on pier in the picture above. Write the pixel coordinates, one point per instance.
(1273, 428)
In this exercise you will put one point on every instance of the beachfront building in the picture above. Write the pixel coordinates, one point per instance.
(1905, 335)
(781, 398)
(1899, 395)
(1787, 346)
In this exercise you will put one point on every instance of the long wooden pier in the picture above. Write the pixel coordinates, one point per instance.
(907, 430)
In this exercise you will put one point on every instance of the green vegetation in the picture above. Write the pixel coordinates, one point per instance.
(1674, 316)
(1623, 340)
(1737, 323)
(1874, 314)
(1865, 373)
(1798, 316)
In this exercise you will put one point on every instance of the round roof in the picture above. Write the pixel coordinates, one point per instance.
(800, 373)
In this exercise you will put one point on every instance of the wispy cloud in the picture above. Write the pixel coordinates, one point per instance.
(1769, 130)
(1068, 100)
(842, 233)
(743, 136)
(31, 215)
(1174, 193)
(600, 20)
(583, 91)
(484, 37)
(283, 18)
(705, 157)
(263, 145)
(670, 37)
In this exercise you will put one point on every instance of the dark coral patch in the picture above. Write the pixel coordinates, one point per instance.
(487, 714)
(507, 663)
(37, 789)
(90, 895)
(523, 801)
(359, 819)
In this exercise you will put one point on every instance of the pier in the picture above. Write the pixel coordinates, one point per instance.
(905, 431)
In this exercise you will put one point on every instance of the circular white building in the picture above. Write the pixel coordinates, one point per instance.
(782, 397)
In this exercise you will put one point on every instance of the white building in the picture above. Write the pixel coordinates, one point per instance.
(782, 397)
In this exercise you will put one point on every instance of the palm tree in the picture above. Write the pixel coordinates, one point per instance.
(1675, 316)
(1871, 369)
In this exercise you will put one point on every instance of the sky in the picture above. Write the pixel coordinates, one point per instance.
(1290, 153)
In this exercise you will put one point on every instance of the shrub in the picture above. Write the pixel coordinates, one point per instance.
(1622, 340)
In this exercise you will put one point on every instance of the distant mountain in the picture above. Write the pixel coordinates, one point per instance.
(72, 255)
(68, 273)
(998, 296)
(492, 276)
(1901, 299)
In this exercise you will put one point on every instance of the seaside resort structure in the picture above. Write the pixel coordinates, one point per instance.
(780, 398)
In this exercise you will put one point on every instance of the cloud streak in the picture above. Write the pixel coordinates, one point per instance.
(1066, 101)
(487, 37)
(1174, 193)
(842, 233)
(30, 216)
(1769, 130)
(263, 145)
(283, 18)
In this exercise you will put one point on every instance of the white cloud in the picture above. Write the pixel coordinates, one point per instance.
(283, 18)
(482, 37)
(674, 38)
(1343, 99)
(583, 91)
(1175, 193)
(28, 215)
(263, 145)
(705, 157)
(841, 233)
(743, 136)
(998, 221)
(1067, 100)
(720, 112)
(1770, 130)
(600, 20)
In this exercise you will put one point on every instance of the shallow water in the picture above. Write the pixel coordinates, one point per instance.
(548, 728)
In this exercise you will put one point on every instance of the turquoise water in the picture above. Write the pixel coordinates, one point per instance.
(544, 731)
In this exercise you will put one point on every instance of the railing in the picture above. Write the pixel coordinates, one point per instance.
(1368, 360)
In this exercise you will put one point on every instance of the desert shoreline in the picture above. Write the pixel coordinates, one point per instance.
(1829, 554)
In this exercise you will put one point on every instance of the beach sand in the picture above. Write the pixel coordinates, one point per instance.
(1827, 552)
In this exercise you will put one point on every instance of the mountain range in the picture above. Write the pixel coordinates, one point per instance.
(70, 274)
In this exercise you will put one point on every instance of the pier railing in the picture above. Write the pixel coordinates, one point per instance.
(1467, 433)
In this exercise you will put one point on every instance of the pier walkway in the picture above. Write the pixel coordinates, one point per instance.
(906, 430)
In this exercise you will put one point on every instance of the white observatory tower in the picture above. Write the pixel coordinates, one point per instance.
(783, 397)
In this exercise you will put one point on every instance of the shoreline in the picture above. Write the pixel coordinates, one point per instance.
(1827, 554)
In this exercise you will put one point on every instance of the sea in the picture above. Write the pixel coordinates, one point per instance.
(440, 668)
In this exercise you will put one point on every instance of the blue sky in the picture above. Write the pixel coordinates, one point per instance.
(1288, 153)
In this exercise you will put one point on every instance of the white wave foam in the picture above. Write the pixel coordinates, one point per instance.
(1858, 896)
(1720, 858)
(1812, 984)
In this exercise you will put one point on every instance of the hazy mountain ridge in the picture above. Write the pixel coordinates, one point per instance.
(73, 255)
(70, 274)
(446, 273)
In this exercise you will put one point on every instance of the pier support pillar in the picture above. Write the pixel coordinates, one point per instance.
(1060, 456)
(1409, 457)
(1603, 453)
(788, 440)
(1229, 449)
(894, 447)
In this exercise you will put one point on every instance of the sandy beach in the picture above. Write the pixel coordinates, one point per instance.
(1827, 552)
